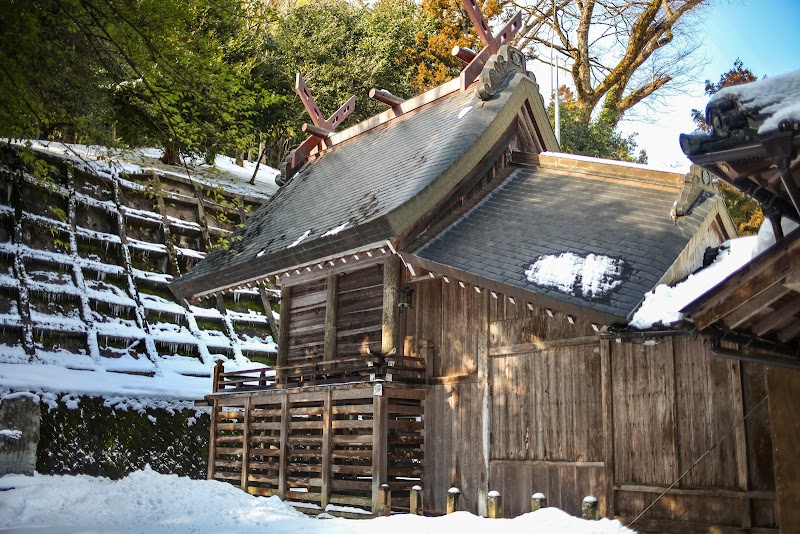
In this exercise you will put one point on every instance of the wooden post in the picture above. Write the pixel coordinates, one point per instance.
(329, 351)
(783, 388)
(426, 352)
(219, 368)
(283, 326)
(267, 304)
(246, 443)
(385, 500)
(740, 440)
(538, 501)
(608, 423)
(212, 443)
(484, 392)
(416, 505)
(283, 459)
(391, 285)
(494, 505)
(379, 445)
(326, 449)
(589, 508)
(453, 500)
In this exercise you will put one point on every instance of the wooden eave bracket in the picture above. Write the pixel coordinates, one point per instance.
(491, 43)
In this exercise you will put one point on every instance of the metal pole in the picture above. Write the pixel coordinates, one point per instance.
(554, 61)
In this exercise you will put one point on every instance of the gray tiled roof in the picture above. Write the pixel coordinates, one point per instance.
(358, 182)
(543, 212)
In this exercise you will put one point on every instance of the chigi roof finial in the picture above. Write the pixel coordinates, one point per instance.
(320, 129)
(492, 43)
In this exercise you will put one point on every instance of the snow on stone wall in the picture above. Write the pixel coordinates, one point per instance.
(85, 259)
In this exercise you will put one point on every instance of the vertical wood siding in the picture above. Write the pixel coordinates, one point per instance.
(358, 313)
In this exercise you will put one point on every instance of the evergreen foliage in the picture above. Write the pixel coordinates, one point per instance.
(598, 138)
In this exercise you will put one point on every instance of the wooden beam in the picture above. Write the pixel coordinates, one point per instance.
(778, 319)
(329, 346)
(484, 449)
(464, 54)
(309, 103)
(536, 346)
(740, 440)
(266, 302)
(316, 131)
(743, 314)
(283, 459)
(385, 97)
(747, 283)
(285, 319)
(790, 332)
(392, 272)
(212, 444)
(481, 25)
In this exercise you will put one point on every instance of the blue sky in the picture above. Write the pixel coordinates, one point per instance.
(763, 33)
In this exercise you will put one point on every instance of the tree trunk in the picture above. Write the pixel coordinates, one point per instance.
(171, 153)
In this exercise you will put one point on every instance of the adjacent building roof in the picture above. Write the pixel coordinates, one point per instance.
(368, 188)
(753, 145)
(584, 238)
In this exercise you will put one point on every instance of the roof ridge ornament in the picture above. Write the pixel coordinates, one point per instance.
(697, 181)
(320, 130)
(507, 61)
(492, 43)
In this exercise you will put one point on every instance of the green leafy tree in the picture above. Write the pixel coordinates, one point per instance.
(158, 70)
(599, 138)
(345, 48)
(745, 212)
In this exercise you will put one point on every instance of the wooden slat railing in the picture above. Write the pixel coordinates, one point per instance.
(366, 368)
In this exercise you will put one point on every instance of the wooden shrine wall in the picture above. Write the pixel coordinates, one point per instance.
(357, 302)
(571, 414)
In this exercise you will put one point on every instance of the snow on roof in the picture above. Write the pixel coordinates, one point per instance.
(146, 501)
(664, 304)
(595, 274)
(776, 99)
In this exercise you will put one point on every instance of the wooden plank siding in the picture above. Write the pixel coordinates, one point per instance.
(453, 451)
(359, 313)
(353, 327)
(319, 446)
(572, 414)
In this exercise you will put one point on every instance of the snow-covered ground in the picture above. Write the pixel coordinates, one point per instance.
(151, 503)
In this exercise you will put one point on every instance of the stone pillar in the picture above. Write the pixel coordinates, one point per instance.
(20, 419)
